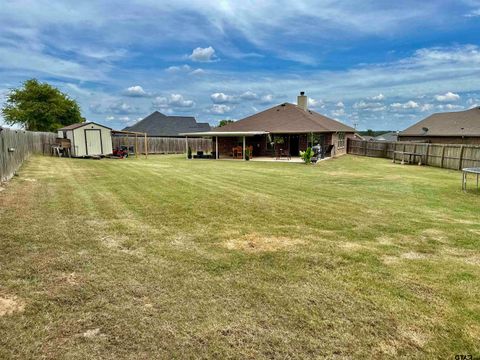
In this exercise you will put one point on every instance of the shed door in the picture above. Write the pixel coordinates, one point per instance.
(93, 141)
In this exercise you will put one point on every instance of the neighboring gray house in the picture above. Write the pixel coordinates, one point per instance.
(459, 127)
(160, 125)
(391, 136)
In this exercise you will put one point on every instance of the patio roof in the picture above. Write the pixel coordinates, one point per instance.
(226, 133)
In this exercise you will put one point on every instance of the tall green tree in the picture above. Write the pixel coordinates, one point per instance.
(39, 106)
(224, 122)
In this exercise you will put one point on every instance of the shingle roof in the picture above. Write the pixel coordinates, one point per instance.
(389, 136)
(459, 123)
(286, 118)
(77, 125)
(158, 124)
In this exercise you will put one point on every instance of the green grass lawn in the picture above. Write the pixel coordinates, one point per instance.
(168, 258)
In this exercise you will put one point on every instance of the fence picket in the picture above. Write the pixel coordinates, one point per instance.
(17, 145)
(439, 155)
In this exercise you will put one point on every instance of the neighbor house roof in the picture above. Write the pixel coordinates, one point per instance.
(459, 123)
(389, 136)
(78, 125)
(286, 118)
(158, 124)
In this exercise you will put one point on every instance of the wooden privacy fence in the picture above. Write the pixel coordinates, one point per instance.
(164, 145)
(441, 155)
(17, 145)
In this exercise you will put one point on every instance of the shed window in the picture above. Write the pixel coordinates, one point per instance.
(341, 140)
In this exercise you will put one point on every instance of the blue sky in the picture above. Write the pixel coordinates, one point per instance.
(377, 64)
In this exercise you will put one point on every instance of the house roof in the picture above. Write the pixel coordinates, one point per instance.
(286, 118)
(158, 124)
(389, 136)
(79, 125)
(459, 123)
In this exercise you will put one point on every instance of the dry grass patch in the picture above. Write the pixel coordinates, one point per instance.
(255, 242)
(412, 255)
(10, 305)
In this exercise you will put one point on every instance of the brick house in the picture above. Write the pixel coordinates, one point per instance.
(286, 127)
(459, 127)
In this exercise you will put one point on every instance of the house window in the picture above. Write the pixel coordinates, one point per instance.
(341, 140)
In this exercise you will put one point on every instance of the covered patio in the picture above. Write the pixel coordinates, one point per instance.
(261, 145)
(233, 145)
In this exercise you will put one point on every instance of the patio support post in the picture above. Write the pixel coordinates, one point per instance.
(243, 147)
(216, 147)
(186, 147)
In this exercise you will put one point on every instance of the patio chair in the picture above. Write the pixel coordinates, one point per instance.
(328, 150)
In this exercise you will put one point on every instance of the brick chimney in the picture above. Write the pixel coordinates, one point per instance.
(302, 101)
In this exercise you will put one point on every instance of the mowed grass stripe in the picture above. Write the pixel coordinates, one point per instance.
(164, 257)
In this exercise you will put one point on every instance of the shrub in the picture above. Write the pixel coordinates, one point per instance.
(189, 152)
(307, 155)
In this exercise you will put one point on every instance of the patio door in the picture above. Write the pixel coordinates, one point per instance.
(294, 145)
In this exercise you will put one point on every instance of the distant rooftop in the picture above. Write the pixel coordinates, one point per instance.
(458, 123)
(158, 124)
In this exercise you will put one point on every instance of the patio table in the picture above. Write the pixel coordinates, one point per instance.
(465, 172)
(410, 156)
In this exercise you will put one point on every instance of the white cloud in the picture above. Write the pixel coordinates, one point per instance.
(221, 98)
(121, 107)
(426, 107)
(379, 97)
(176, 101)
(473, 102)
(340, 104)
(177, 69)
(203, 54)
(249, 95)
(184, 69)
(312, 103)
(449, 96)
(198, 72)
(406, 106)
(449, 107)
(338, 112)
(110, 118)
(369, 106)
(473, 13)
(266, 99)
(160, 102)
(135, 91)
(220, 109)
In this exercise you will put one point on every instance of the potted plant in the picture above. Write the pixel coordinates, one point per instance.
(307, 155)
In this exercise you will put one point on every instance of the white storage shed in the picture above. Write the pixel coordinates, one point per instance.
(88, 139)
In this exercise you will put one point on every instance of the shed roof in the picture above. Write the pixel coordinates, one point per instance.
(158, 124)
(78, 125)
(458, 123)
(286, 118)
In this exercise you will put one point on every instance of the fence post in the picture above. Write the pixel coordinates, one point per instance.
(365, 148)
(443, 156)
(426, 154)
(460, 160)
